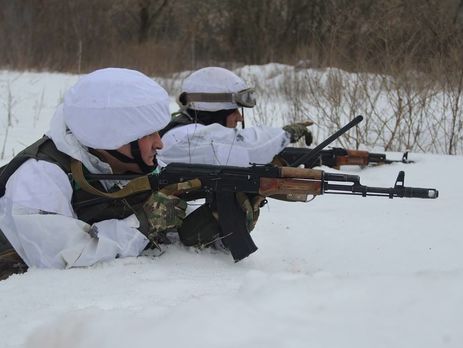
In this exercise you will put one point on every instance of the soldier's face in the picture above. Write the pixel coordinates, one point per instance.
(234, 118)
(149, 145)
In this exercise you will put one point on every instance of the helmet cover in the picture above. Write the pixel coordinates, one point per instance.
(112, 107)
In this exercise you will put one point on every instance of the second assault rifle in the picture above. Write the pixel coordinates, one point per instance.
(337, 157)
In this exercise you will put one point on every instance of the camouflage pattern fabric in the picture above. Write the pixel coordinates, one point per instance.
(252, 213)
(164, 213)
(299, 130)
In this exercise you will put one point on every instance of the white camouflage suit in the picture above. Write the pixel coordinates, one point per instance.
(104, 110)
(214, 143)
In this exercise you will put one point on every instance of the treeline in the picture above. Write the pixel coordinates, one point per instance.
(162, 36)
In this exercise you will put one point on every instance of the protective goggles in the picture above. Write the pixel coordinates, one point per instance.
(245, 98)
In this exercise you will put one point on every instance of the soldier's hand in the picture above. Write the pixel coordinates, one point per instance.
(164, 212)
(298, 130)
(249, 208)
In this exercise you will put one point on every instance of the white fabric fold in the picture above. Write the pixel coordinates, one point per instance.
(215, 144)
(37, 218)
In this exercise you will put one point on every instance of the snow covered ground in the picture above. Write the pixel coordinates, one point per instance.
(340, 271)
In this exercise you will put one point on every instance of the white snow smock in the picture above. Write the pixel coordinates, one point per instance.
(214, 143)
(36, 214)
(219, 145)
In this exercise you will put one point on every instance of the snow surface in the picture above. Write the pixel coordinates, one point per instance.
(340, 271)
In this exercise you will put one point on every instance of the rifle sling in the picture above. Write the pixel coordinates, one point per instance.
(137, 185)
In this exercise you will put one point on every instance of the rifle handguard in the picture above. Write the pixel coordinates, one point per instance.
(303, 173)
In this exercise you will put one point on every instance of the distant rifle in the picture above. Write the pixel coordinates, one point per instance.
(337, 157)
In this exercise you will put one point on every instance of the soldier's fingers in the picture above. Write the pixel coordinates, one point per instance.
(182, 204)
(180, 213)
(307, 123)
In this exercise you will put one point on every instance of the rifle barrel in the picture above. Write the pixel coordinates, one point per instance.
(391, 192)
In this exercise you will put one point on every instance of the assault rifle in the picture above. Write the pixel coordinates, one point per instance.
(220, 183)
(269, 180)
(337, 157)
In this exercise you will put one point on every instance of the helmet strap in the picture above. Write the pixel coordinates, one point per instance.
(135, 150)
(136, 153)
(120, 156)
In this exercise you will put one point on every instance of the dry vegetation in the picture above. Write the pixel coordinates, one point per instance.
(408, 53)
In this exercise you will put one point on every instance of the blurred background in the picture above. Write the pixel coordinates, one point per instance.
(397, 62)
(162, 36)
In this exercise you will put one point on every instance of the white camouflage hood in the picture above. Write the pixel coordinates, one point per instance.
(66, 142)
(213, 80)
(112, 107)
